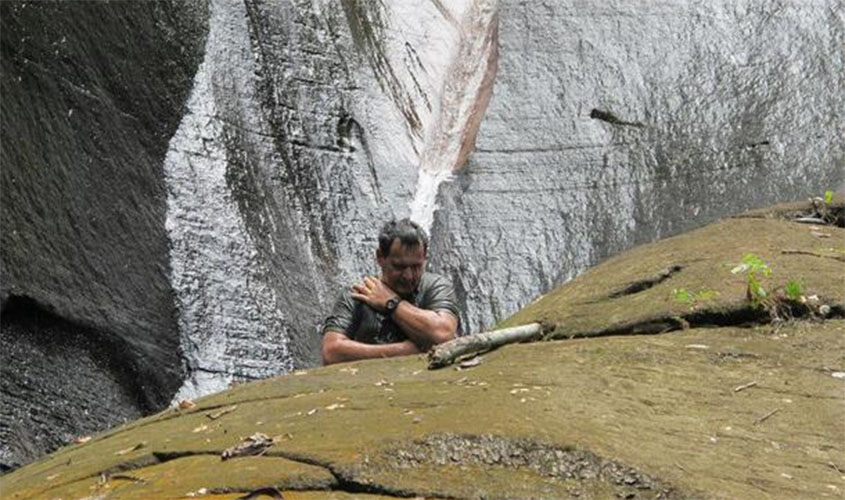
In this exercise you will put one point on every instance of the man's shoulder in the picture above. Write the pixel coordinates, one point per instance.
(429, 280)
(434, 290)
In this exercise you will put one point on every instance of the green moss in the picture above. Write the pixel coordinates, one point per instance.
(707, 257)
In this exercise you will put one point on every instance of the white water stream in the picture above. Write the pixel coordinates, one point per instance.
(467, 88)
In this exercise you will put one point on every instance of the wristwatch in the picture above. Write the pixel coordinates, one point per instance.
(392, 304)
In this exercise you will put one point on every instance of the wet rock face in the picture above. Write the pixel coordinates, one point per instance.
(618, 123)
(305, 131)
(92, 93)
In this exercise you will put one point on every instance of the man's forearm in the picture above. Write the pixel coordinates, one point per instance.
(426, 328)
(338, 350)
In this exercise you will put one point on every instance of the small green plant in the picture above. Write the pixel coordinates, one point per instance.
(794, 289)
(828, 196)
(684, 296)
(753, 266)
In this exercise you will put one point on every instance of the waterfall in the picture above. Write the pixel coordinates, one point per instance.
(467, 88)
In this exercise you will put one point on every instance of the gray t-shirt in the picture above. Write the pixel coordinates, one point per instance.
(362, 323)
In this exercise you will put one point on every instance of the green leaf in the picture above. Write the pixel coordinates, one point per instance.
(682, 295)
(794, 289)
(828, 196)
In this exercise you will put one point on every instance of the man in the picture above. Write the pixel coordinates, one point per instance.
(404, 311)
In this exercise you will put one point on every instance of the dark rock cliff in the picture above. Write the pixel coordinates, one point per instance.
(91, 94)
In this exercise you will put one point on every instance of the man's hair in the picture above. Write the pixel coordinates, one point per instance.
(409, 234)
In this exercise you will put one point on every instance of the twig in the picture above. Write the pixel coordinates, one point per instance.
(447, 353)
(745, 386)
(809, 220)
(835, 467)
(766, 416)
(128, 477)
(131, 448)
(218, 414)
(813, 254)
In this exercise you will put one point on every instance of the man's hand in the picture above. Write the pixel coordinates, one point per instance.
(373, 292)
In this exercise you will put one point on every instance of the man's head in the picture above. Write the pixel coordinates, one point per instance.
(402, 249)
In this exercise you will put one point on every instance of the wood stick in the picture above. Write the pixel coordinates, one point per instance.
(766, 416)
(449, 352)
(745, 386)
(810, 220)
(218, 414)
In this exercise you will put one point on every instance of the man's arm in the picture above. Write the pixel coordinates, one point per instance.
(425, 327)
(338, 348)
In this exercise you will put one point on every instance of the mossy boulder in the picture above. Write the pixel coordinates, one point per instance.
(709, 410)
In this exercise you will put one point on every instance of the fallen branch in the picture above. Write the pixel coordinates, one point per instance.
(447, 353)
(744, 386)
(810, 220)
(814, 254)
(766, 416)
(218, 414)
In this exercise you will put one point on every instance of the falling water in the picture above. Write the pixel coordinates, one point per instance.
(466, 92)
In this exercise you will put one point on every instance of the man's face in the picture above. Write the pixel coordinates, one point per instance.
(403, 267)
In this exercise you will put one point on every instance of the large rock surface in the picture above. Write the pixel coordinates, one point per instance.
(720, 107)
(748, 409)
(196, 181)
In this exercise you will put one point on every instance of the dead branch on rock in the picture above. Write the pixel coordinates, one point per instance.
(745, 386)
(766, 416)
(217, 414)
(447, 353)
(813, 254)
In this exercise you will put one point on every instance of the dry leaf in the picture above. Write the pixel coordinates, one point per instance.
(256, 444)
(81, 439)
(469, 363)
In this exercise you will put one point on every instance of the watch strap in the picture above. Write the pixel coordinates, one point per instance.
(392, 305)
